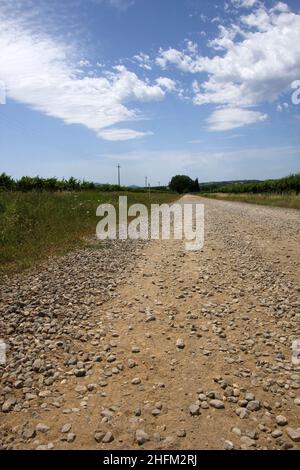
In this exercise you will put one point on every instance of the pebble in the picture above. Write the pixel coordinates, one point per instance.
(276, 433)
(108, 437)
(28, 432)
(218, 404)
(80, 372)
(136, 381)
(293, 434)
(66, 428)
(48, 446)
(180, 343)
(281, 420)
(71, 437)
(40, 427)
(141, 437)
(228, 445)
(99, 436)
(242, 413)
(247, 442)
(253, 405)
(8, 405)
(194, 410)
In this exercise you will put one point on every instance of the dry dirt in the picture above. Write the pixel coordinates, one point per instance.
(191, 350)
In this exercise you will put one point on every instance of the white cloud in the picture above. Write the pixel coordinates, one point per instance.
(37, 71)
(84, 63)
(259, 58)
(121, 134)
(282, 107)
(280, 6)
(166, 83)
(143, 61)
(119, 4)
(225, 119)
(244, 3)
(183, 61)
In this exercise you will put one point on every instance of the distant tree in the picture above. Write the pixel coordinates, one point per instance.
(86, 185)
(26, 183)
(6, 182)
(73, 184)
(196, 186)
(184, 184)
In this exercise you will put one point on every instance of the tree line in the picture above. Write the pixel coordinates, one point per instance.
(36, 183)
(179, 183)
(289, 184)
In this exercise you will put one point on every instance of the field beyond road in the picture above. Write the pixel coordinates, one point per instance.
(37, 225)
(290, 201)
(146, 345)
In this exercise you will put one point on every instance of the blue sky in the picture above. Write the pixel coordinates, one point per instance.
(162, 87)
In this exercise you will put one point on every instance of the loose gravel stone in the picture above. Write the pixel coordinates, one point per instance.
(66, 428)
(218, 404)
(180, 344)
(194, 410)
(8, 405)
(281, 420)
(40, 427)
(108, 437)
(253, 405)
(28, 432)
(99, 436)
(136, 381)
(71, 437)
(141, 437)
(80, 372)
(228, 445)
(293, 434)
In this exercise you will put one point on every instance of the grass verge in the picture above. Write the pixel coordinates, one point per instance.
(37, 225)
(291, 201)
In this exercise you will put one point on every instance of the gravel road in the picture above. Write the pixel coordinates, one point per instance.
(145, 345)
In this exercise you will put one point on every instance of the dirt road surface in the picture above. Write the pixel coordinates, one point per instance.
(146, 345)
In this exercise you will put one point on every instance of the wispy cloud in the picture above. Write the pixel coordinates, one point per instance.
(122, 134)
(119, 4)
(226, 119)
(40, 71)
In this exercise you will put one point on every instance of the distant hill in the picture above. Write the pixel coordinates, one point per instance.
(213, 185)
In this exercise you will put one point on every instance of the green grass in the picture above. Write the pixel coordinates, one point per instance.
(38, 225)
(290, 201)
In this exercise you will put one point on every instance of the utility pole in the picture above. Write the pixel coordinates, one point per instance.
(146, 182)
(119, 177)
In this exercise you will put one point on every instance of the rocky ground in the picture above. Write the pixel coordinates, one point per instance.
(146, 345)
